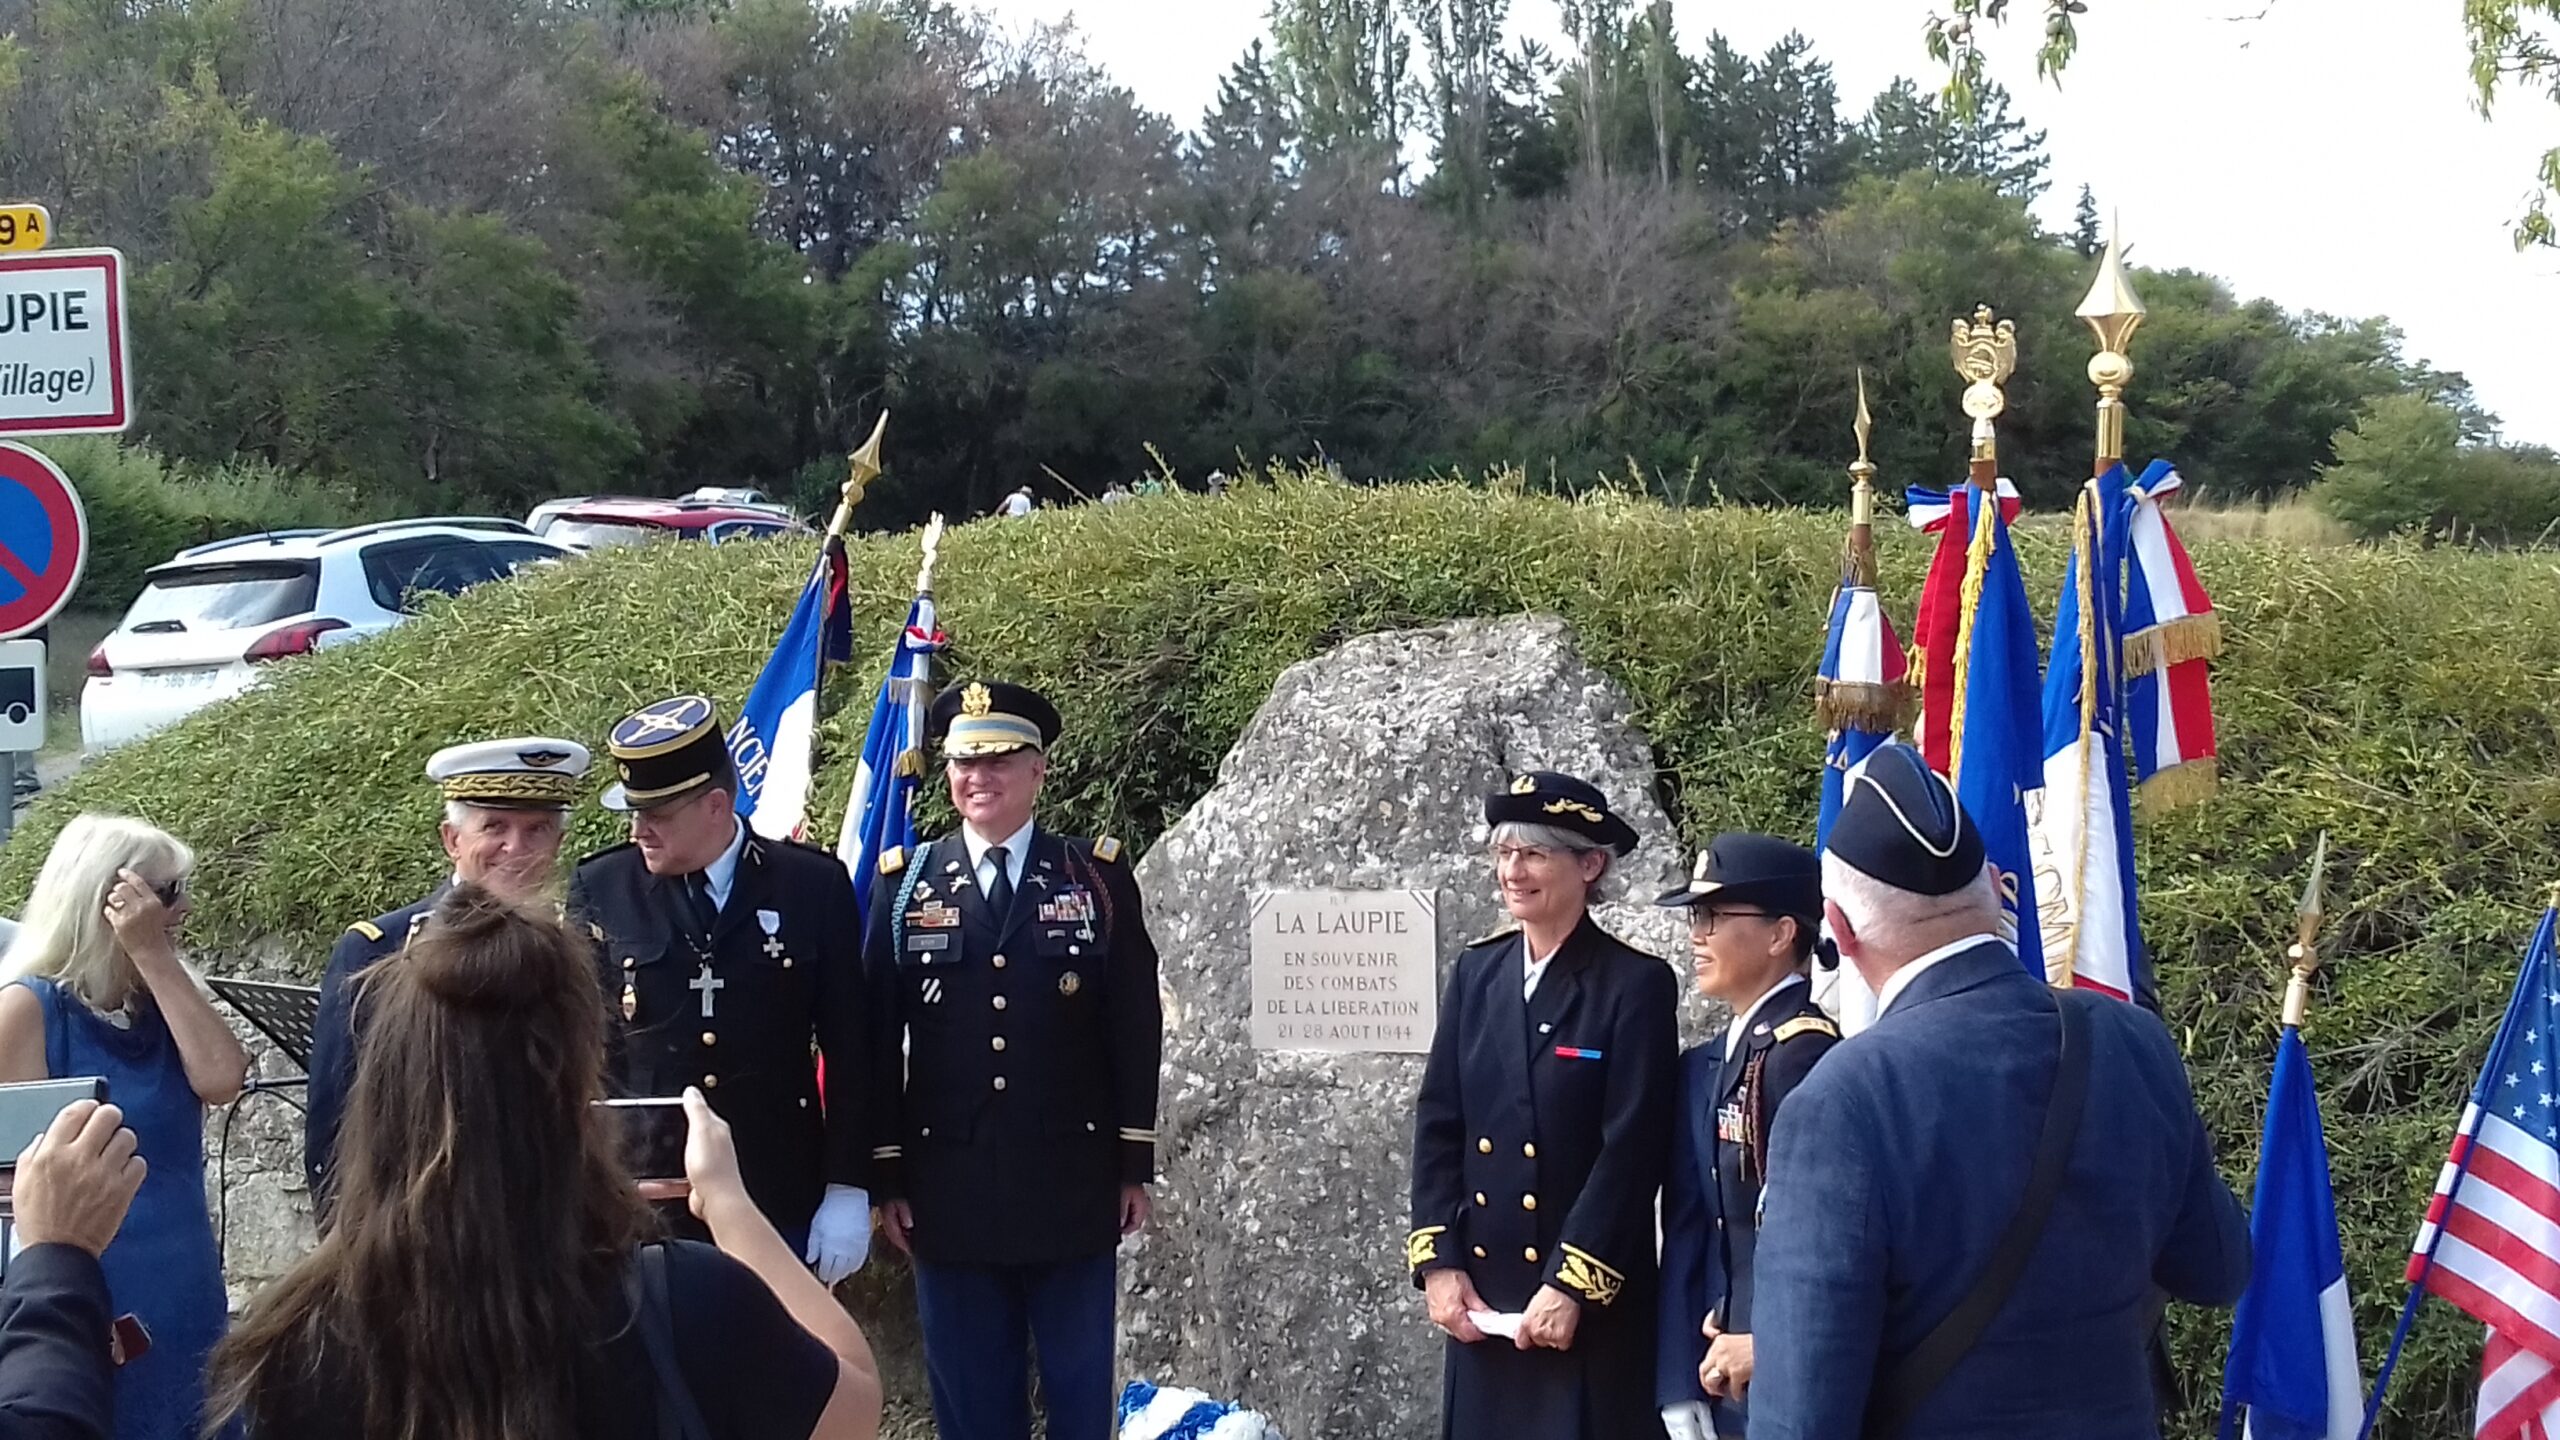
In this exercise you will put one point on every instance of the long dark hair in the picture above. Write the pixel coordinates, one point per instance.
(482, 1213)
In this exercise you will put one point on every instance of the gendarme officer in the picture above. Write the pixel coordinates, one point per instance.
(730, 962)
(1539, 1141)
(1754, 904)
(505, 805)
(1014, 1152)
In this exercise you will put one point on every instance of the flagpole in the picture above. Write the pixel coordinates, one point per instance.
(1862, 497)
(861, 468)
(2113, 313)
(2426, 1262)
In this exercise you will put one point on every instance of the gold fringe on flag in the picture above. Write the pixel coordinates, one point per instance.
(1977, 562)
(2179, 785)
(2191, 637)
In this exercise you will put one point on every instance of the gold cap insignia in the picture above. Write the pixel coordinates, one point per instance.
(1574, 807)
(977, 699)
(1524, 785)
(1068, 984)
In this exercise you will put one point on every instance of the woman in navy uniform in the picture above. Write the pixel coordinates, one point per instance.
(1754, 904)
(1539, 1142)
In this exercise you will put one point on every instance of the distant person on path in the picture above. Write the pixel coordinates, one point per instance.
(74, 1184)
(1540, 1138)
(1908, 1161)
(506, 803)
(485, 1211)
(1019, 502)
(97, 988)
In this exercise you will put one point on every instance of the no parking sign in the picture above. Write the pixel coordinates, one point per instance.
(44, 540)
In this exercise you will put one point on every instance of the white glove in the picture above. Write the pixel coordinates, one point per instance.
(840, 1233)
(1688, 1421)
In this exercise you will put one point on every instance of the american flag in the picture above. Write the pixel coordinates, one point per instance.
(2491, 1241)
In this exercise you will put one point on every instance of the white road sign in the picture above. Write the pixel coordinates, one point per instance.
(64, 363)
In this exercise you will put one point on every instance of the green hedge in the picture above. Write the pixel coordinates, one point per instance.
(142, 509)
(2399, 700)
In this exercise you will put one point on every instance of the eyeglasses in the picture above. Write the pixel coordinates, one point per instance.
(1523, 854)
(1702, 921)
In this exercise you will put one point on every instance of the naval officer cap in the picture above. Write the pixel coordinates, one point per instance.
(667, 752)
(1548, 797)
(1902, 824)
(990, 717)
(1738, 868)
(530, 772)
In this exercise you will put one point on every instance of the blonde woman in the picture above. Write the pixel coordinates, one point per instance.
(94, 986)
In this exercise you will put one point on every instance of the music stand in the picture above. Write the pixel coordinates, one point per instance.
(284, 1014)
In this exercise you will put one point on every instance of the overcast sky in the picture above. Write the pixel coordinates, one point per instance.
(2323, 153)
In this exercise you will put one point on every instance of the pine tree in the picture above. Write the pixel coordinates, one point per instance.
(2084, 226)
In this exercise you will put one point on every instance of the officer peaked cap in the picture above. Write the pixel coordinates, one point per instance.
(1736, 868)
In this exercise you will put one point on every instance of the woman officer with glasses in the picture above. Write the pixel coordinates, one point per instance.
(1754, 905)
(1539, 1142)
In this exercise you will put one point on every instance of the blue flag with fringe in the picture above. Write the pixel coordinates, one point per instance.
(1997, 748)
(879, 815)
(775, 740)
(2292, 1373)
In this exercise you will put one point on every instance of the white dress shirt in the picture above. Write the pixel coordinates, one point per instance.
(721, 875)
(1733, 1033)
(1900, 980)
(1533, 968)
(1017, 853)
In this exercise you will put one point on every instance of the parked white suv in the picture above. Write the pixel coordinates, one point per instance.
(210, 618)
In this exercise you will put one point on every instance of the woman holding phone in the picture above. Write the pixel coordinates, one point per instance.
(490, 1272)
(96, 988)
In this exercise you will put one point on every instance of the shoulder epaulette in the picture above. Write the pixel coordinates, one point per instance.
(1106, 848)
(367, 929)
(1496, 937)
(1807, 1025)
(893, 859)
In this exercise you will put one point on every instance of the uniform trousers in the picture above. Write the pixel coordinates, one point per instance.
(980, 1322)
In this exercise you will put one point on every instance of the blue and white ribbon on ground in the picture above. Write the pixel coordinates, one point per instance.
(1149, 1412)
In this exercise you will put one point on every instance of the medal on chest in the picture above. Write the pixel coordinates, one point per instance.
(771, 921)
(1072, 905)
(1733, 1127)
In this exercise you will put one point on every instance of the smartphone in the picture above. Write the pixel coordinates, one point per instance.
(28, 1108)
(653, 1130)
(128, 1339)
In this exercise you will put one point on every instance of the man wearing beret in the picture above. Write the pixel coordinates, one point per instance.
(1973, 1204)
(1754, 902)
(1014, 1147)
(506, 803)
(728, 959)
(1539, 1138)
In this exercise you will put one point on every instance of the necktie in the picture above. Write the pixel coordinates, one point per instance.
(697, 889)
(1000, 888)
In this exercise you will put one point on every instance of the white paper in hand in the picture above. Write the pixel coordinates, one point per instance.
(1503, 1323)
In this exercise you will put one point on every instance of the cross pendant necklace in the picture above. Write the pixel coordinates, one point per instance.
(708, 984)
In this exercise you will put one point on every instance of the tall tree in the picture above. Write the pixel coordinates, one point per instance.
(1661, 64)
(1598, 29)
(1462, 40)
(2086, 236)
(1342, 65)
(1805, 153)
(1906, 130)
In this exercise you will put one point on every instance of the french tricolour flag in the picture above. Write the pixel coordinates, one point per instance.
(2292, 1373)
(775, 740)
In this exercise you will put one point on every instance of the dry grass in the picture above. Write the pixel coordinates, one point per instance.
(2293, 520)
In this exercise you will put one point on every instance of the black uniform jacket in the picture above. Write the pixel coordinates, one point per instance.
(56, 1380)
(1028, 1095)
(1711, 1200)
(781, 979)
(334, 1035)
(1539, 1143)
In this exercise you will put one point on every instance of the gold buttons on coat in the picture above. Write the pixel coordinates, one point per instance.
(997, 1042)
(1479, 1252)
(710, 1082)
(998, 962)
(999, 1002)
(1530, 1254)
(709, 1038)
(999, 1082)
(1529, 1152)
(1484, 1147)
(1528, 1202)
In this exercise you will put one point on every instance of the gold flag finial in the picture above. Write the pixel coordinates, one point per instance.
(1985, 353)
(2113, 313)
(861, 468)
(2305, 957)
(1862, 471)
